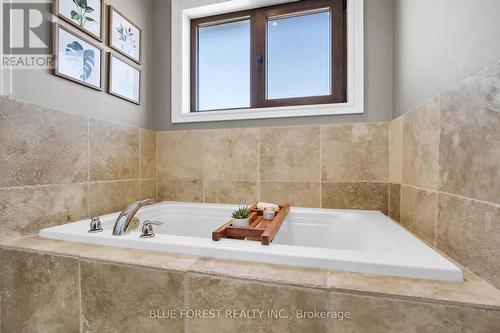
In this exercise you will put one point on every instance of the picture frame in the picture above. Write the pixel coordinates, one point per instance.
(79, 13)
(125, 37)
(76, 58)
(124, 79)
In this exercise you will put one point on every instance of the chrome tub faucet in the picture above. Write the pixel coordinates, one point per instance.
(127, 221)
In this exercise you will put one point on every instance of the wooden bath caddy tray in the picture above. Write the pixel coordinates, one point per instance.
(259, 230)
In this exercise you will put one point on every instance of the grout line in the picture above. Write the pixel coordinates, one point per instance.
(438, 170)
(156, 164)
(185, 287)
(140, 163)
(454, 195)
(81, 317)
(390, 155)
(320, 205)
(258, 166)
(88, 166)
(75, 183)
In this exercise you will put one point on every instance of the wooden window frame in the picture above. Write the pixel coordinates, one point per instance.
(258, 39)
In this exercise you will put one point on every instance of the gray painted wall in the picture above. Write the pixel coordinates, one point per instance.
(41, 87)
(439, 43)
(378, 73)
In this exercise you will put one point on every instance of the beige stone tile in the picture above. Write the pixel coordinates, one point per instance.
(148, 189)
(41, 146)
(180, 154)
(473, 291)
(126, 256)
(365, 196)
(290, 153)
(231, 154)
(421, 146)
(114, 151)
(180, 190)
(148, 154)
(395, 201)
(112, 197)
(386, 315)
(419, 212)
(469, 232)
(39, 293)
(297, 276)
(120, 298)
(27, 210)
(470, 140)
(355, 152)
(231, 192)
(297, 194)
(210, 292)
(396, 150)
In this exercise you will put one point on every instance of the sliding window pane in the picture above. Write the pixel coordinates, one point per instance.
(299, 56)
(224, 66)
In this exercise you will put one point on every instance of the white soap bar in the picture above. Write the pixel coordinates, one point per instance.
(262, 205)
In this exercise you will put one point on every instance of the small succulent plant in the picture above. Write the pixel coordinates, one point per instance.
(241, 213)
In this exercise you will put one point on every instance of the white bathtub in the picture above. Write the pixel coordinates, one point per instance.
(342, 240)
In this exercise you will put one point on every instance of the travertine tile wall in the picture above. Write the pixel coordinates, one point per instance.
(58, 167)
(445, 172)
(338, 166)
(61, 294)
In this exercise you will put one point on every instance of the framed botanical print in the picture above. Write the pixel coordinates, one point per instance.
(87, 15)
(77, 59)
(124, 79)
(124, 36)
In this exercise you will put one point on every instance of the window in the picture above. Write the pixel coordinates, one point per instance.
(285, 55)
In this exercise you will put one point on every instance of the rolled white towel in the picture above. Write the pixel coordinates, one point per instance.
(262, 205)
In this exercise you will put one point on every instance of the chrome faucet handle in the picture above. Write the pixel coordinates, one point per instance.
(95, 225)
(147, 228)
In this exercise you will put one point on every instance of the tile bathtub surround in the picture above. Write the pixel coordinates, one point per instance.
(276, 164)
(418, 212)
(451, 171)
(114, 151)
(366, 196)
(231, 154)
(39, 293)
(395, 202)
(41, 146)
(120, 298)
(114, 196)
(232, 192)
(209, 292)
(396, 150)
(421, 146)
(302, 194)
(27, 210)
(121, 303)
(470, 137)
(358, 152)
(59, 167)
(148, 154)
(469, 231)
(290, 154)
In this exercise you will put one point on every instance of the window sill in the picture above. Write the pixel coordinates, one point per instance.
(265, 113)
